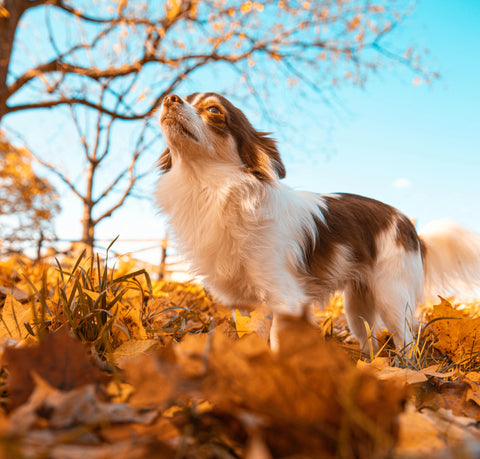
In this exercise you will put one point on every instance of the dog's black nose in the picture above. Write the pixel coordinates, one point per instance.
(172, 99)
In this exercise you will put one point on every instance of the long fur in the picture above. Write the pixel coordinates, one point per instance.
(255, 240)
(452, 266)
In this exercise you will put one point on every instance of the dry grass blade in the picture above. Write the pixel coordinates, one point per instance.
(90, 299)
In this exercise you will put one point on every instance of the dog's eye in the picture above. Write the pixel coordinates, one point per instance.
(213, 110)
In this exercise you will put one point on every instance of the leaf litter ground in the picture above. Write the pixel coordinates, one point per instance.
(180, 378)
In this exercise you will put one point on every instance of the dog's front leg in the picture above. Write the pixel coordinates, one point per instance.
(277, 325)
(281, 322)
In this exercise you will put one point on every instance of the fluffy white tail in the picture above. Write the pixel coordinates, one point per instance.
(452, 261)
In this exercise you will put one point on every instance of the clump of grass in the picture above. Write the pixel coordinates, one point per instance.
(88, 297)
(416, 355)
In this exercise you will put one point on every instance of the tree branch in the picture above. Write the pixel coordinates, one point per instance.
(68, 9)
(119, 204)
(75, 100)
(60, 175)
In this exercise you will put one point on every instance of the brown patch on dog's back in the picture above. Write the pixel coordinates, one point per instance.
(355, 222)
(406, 233)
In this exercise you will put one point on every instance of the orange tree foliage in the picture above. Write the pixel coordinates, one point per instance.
(28, 203)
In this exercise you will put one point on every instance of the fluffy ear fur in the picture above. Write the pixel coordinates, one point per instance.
(165, 161)
(257, 151)
(260, 155)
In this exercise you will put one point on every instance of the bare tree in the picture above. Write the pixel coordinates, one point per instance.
(96, 148)
(117, 59)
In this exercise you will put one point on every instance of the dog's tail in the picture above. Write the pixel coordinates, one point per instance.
(451, 260)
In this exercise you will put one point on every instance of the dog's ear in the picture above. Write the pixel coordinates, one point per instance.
(257, 150)
(165, 161)
(260, 155)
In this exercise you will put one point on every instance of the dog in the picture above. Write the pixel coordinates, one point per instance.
(254, 240)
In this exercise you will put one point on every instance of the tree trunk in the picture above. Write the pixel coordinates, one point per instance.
(10, 14)
(88, 236)
(41, 239)
(163, 260)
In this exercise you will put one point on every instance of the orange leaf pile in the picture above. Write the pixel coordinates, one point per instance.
(307, 398)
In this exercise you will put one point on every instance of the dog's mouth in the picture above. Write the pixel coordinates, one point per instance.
(171, 120)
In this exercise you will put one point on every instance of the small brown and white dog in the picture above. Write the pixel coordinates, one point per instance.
(254, 240)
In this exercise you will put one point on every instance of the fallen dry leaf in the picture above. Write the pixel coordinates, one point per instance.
(153, 376)
(433, 433)
(457, 336)
(433, 370)
(60, 359)
(18, 294)
(257, 321)
(57, 409)
(130, 349)
(381, 368)
(473, 391)
(436, 394)
(308, 395)
(14, 315)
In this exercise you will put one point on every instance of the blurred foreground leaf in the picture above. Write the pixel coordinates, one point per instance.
(59, 359)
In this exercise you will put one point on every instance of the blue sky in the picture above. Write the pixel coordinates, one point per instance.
(414, 147)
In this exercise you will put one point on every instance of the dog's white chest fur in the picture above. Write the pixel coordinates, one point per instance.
(240, 236)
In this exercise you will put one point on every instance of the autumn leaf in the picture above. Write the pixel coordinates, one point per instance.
(131, 349)
(132, 317)
(154, 379)
(14, 316)
(432, 433)
(257, 321)
(246, 7)
(305, 395)
(67, 409)
(59, 359)
(354, 23)
(458, 336)
(174, 8)
(93, 295)
(445, 323)
(380, 366)
(473, 391)
(308, 393)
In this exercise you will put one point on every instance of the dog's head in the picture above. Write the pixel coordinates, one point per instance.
(207, 127)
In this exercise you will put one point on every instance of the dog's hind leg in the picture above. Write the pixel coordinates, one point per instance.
(360, 309)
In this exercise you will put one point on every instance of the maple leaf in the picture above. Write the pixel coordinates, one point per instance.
(457, 336)
(60, 359)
